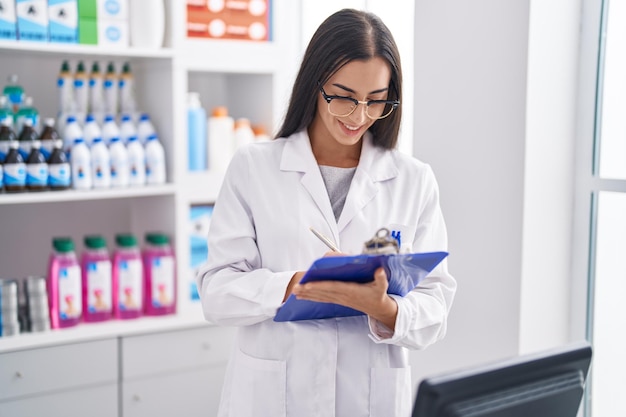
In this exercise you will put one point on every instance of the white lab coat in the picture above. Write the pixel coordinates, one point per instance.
(259, 237)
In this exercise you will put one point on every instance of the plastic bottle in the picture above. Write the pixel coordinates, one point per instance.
(6, 136)
(136, 162)
(260, 133)
(96, 93)
(110, 90)
(220, 128)
(120, 175)
(100, 164)
(196, 133)
(72, 132)
(27, 136)
(14, 170)
(155, 161)
(109, 129)
(6, 111)
(36, 169)
(147, 23)
(243, 132)
(48, 137)
(160, 275)
(127, 90)
(80, 162)
(14, 92)
(59, 173)
(64, 284)
(27, 111)
(65, 87)
(97, 280)
(145, 128)
(91, 130)
(81, 91)
(127, 278)
(127, 128)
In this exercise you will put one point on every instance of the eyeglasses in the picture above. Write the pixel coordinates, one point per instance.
(342, 106)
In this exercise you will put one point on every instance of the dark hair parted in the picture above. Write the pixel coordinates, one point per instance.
(347, 35)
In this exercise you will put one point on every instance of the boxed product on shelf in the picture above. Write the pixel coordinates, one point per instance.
(63, 21)
(32, 20)
(103, 22)
(229, 19)
(8, 20)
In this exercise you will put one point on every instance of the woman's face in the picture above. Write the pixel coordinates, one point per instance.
(361, 80)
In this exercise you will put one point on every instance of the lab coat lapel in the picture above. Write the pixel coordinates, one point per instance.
(375, 165)
(298, 156)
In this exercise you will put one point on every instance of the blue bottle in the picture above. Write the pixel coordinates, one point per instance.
(197, 133)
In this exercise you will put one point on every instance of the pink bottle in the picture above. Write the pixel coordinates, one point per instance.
(64, 284)
(127, 278)
(97, 280)
(160, 275)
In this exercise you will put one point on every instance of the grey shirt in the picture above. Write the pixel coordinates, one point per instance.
(337, 181)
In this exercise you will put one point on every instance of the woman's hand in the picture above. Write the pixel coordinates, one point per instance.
(370, 298)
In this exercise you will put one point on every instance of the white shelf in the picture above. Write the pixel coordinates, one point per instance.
(56, 49)
(230, 56)
(87, 195)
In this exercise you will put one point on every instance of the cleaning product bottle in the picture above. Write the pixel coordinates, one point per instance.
(81, 91)
(109, 129)
(48, 137)
(36, 169)
(127, 278)
(196, 133)
(127, 128)
(65, 88)
(136, 162)
(6, 136)
(220, 128)
(59, 173)
(27, 136)
(96, 95)
(145, 128)
(72, 132)
(243, 132)
(14, 92)
(14, 170)
(64, 284)
(97, 280)
(155, 161)
(120, 173)
(127, 90)
(80, 163)
(27, 111)
(110, 90)
(6, 111)
(160, 275)
(100, 164)
(91, 130)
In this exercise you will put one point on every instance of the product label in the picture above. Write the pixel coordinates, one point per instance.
(8, 20)
(162, 272)
(70, 299)
(130, 294)
(25, 148)
(1, 176)
(4, 149)
(15, 175)
(99, 286)
(59, 175)
(32, 20)
(37, 175)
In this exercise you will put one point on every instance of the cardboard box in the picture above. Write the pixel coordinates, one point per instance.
(87, 9)
(229, 19)
(32, 20)
(113, 33)
(63, 21)
(8, 20)
(87, 31)
(112, 9)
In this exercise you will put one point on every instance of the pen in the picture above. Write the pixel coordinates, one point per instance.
(324, 239)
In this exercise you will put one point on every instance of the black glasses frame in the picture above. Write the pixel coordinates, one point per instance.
(328, 98)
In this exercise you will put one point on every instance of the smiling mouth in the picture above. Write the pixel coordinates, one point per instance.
(351, 128)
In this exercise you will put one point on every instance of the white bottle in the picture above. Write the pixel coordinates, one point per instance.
(145, 128)
(243, 132)
(81, 91)
(96, 92)
(100, 164)
(136, 162)
(119, 163)
(127, 128)
(91, 130)
(155, 161)
(147, 23)
(109, 129)
(71, 132)
(80, 162)
(220, 131)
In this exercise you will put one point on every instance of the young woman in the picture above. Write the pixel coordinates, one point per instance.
(333, 167)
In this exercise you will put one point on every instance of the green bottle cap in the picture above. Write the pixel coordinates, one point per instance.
(95, 242)
(63, 244)
(125, 240)
(156, 238)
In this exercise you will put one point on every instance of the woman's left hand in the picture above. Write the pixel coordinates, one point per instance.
(371, 298)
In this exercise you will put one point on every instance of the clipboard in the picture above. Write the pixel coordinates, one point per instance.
(405, 271)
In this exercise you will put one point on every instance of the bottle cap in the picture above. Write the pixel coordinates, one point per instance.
(70, 119)
(152, 137)
(125, 240)
(65, 66)
(95, 242)
(89, 118)
(125, 117)
(220, 111)
(242, 122)
(156, 238)
(109, 117)
(63, 244)
(144, 116)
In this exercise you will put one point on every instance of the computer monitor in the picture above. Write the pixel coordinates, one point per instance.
(546, 384)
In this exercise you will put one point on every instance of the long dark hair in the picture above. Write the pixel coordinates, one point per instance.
(345, 36)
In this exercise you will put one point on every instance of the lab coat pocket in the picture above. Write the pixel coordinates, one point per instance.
(404, 234)
(390, 392)
(259, 387)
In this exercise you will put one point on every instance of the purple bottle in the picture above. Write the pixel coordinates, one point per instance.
(127, 278)
(97, 280)
(160, 275)
(64, 284)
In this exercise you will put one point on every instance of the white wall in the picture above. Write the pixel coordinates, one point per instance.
(494, 116)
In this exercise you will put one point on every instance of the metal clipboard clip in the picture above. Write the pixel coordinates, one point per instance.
(383, 243)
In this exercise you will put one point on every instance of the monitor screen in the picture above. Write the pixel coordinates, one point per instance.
(546, 384)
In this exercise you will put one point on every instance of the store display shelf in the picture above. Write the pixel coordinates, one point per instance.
(46, 48)
(75, 195)
(101, 330)
(230, 56)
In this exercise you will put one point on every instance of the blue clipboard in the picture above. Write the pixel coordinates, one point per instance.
(405, 271)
